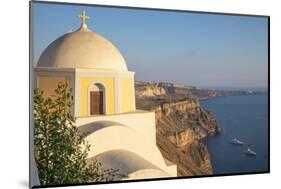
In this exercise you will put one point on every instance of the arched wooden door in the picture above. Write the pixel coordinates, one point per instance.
(96, 102)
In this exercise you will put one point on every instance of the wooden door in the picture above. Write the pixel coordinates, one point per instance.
(96, 102)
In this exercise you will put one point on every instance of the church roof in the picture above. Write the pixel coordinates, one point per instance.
(82, 49)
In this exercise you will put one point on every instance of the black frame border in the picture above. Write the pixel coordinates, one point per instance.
(149, 9)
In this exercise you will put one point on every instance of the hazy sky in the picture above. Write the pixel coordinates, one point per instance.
(204, 50)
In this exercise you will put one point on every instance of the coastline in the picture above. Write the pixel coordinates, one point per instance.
(179, 112)
(238, 120)
(211, 98)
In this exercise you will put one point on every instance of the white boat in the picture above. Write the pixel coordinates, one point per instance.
(236, 141)
(250, 152)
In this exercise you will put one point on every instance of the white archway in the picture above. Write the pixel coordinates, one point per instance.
(97, 87)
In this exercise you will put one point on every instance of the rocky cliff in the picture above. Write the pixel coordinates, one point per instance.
(163, 88)
(150, 90)
(181, 124)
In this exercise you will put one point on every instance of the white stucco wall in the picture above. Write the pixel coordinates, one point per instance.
(141, 121)
(130, 164)
(134, 132)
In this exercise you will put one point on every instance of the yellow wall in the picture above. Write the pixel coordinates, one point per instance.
(109, 92)
(127, 95)
(48, 84)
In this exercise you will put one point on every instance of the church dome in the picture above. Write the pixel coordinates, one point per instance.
(82, 49)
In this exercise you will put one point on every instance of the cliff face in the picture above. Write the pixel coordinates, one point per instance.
(181, 138)
(184, 121)
(181, 124)
(191, 160)
(150, 90)
(153, 89)
(175, 107)
(184, 124)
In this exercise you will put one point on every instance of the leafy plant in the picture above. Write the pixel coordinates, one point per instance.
(59, 154)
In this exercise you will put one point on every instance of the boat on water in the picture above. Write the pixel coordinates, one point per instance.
(236, 141)
(250, 152)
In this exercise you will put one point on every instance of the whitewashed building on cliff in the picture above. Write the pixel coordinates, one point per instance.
(104, 102)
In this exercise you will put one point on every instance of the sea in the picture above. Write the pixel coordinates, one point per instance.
(244, 118)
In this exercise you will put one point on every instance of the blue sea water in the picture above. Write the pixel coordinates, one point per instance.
(245, 118)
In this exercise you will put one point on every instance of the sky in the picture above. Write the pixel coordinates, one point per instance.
(194, 49)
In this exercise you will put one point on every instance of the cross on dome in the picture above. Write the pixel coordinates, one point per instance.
(83, 16)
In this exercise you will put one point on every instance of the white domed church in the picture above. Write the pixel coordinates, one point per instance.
(121, 137)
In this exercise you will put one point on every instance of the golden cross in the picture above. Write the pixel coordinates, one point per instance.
(84, 17)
